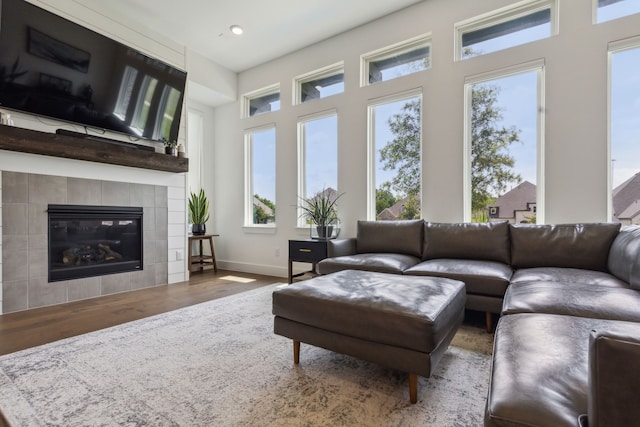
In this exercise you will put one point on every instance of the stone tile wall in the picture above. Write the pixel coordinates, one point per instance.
(23, 210)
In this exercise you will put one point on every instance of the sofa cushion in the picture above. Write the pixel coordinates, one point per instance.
(480, 277)
(484, 241)
(624, 256)
(584, 246)
(564, 276)
(400, 237)
(383, 263)
(573, 299)
(539, 373)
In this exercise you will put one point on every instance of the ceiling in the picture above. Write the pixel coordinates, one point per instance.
(271, 28)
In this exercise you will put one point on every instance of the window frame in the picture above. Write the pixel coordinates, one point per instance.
(248, 178)
(246, 99)
(595, 8)
(301, 137)
(500, 16)
(612, 48)
(405, 46)
(371, 146)
(328, 71)
(533, 66)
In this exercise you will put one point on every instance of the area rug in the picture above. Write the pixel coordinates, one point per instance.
(219, 364)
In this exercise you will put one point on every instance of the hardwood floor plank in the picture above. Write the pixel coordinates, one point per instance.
(39, 326)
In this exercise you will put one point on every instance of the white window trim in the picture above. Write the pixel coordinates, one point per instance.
(327, 71)
(502, 15)
(539, 67)
(371, 149)
(302, 121)
(613, 47)
(247, 97)
(423, 40)
(248, 172)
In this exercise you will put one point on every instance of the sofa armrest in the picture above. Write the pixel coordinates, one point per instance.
(341, 247)
(614, 379)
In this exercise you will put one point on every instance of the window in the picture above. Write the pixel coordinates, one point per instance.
(511, 26)
(318, 156)
(397, 60)
(504, 142)
(395, 146)
(260, 102)
(260, 179)
(607, 10)
(624, 93)
(319, 84)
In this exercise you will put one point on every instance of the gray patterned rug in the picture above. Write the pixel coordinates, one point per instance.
(219, 364)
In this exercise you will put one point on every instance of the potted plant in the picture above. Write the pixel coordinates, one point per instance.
(198, 212)
(321, 210)
(170, 147)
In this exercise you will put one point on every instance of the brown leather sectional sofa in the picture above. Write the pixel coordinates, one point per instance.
(568, 340)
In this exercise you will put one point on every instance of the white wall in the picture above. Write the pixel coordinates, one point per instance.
(575, 162)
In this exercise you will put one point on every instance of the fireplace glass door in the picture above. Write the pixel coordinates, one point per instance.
(87, 241)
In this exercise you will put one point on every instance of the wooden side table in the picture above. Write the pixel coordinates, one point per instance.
(309, 250)
(199, 261)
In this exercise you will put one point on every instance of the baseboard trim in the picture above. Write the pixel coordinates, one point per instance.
(267, 270)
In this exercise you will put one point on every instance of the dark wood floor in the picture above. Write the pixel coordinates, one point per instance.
(30, 328)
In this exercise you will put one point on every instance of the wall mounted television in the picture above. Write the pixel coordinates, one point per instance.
(55, 68)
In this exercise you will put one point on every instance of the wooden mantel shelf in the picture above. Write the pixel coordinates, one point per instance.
(51, 144)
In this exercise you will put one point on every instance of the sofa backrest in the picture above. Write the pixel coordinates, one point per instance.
(483, 241)
(624, 256)
(400, 237)
(584, 246)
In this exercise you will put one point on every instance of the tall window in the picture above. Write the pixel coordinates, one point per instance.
(510, 26)
(607, 10)
(167, 111)
(124, 94)
(260, 170)
(318, 156)
(625, 134)
(395, 140)
(504, 144)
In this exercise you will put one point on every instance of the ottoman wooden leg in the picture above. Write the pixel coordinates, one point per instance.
(413, 388)
(296, 352)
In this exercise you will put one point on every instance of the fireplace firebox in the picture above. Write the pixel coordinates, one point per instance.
(86, 241)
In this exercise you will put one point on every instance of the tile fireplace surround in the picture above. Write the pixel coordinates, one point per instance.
(24, 237)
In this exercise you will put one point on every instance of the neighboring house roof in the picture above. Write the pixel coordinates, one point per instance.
(520, 198)
(625, 196)
(393, 212)
(632, 211)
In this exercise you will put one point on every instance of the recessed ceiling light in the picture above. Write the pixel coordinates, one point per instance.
(236, 29)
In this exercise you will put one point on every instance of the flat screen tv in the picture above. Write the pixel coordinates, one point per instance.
(52, 67)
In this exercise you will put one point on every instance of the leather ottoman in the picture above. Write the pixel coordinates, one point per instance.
(399, 322)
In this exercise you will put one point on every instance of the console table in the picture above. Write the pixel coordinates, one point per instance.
(308, 250)
(199, 261)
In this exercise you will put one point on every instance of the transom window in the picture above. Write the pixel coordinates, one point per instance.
(262, 101)
(319, 84)
(395, 61)
(511, 26)
(608, 10)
